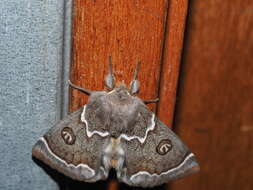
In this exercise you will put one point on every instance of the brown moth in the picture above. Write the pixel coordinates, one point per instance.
(115, 129)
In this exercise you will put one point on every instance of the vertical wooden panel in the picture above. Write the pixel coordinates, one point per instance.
(127, 30)
(173, 45)
(215, 111)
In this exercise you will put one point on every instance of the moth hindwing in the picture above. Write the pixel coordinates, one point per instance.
(115, 129)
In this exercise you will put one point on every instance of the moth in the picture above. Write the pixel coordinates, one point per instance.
(115, 129)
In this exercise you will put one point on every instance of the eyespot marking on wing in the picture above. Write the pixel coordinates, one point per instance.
(84, 169)
(68, 135)
(164, 147)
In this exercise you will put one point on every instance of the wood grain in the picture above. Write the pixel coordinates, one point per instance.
(177, 12)
(129, 31)
(215, 110)
(147, 30)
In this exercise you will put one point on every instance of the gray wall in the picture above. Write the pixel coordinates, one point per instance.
(33, 71)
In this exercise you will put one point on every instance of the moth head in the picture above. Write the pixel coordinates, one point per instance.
(122, 92)
(110, 80)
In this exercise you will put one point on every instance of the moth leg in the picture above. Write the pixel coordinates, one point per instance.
(151, 101)
(88, 92)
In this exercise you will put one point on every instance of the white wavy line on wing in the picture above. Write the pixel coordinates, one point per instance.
(163, 173)
(141, 139)
(88, 132)
(126, 137)
(82, 166)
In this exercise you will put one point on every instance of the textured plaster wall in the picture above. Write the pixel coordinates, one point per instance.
(31, 67)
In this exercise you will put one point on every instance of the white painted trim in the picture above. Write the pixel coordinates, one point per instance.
(82, 166)
(163, 173)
